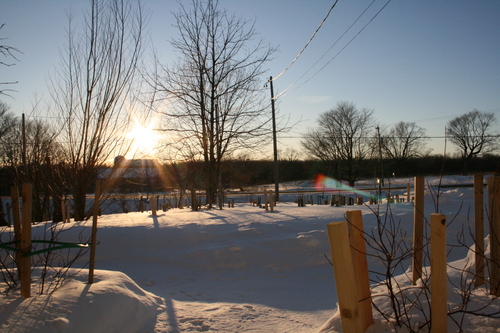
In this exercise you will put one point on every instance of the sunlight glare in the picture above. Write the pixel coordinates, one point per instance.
(145, 139)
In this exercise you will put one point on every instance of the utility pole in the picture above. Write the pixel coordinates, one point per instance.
(275, 146)
(218, 144)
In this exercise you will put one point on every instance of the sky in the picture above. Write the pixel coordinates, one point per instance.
(419, 61)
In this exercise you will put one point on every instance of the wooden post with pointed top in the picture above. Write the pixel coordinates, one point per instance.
(345, 277)
(479, 229)
(358, 246)
(439, 300)
(16, 217)
(418, 229)
(25, 247)
(97, 197)
(494, 208)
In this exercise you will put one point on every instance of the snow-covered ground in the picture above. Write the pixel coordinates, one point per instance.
(240, 269)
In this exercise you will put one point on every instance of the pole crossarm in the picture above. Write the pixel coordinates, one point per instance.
(59, 246)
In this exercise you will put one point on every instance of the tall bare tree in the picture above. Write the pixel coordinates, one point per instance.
(7, 120)
(32, 155)
(93, 88)
(472, 134)
(403, 141)
(7, 52)
(215, 90)
(344, 138)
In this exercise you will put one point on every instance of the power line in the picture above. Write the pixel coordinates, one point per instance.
(335, 56)
(308, 42)
(326, 52)
(383, 137)
(449, 116)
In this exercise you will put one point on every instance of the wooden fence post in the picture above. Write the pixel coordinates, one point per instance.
(271, 201)
(439, 300)
(153, 206)
(418, 229)
(194, 200)
(63, 210)
(97, 197)
(25, 248)
(7, 214)
(408, 196)
(68, 213)
(16, 217)
(265, 200)
(358, 245)
(345, 277)
(494, 208)
(479, 229)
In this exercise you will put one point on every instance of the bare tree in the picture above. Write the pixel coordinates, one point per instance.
(289, 155)
(215, 93)
(7, 120)
(403, 141)
(471, 133)
(93, 89)
(344, 138)
(36, 162)
(8, 52)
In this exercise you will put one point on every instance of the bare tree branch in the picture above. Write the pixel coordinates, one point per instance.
(215, 90)
(93, 88)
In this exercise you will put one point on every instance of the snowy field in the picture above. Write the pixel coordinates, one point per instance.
(240, 269)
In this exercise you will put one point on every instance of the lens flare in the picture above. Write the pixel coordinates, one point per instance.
(327, 184)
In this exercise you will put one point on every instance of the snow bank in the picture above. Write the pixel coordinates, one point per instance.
(234, 270)
(113, 303)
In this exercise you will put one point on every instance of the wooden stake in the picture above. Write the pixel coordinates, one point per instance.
(494, 208)
(479, 228)
(418, 229)
(153, 206)
(97, 197)
(8, 209)
(358, 245)
(16, 216)
(439, 298)
(408, 192)
(271, 201)
(194, 200)
(265, 201)
(63, 210)
(25, 247)
(68, 214)
(345, 277)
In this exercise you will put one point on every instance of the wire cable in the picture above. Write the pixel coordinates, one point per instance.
(329, 49)
(335, 56)
(308, 42)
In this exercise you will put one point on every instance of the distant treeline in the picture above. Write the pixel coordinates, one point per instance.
(240, 174)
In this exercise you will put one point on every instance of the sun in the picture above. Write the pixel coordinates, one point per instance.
(144, 139)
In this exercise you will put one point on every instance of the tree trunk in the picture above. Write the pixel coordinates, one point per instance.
(80, 201)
